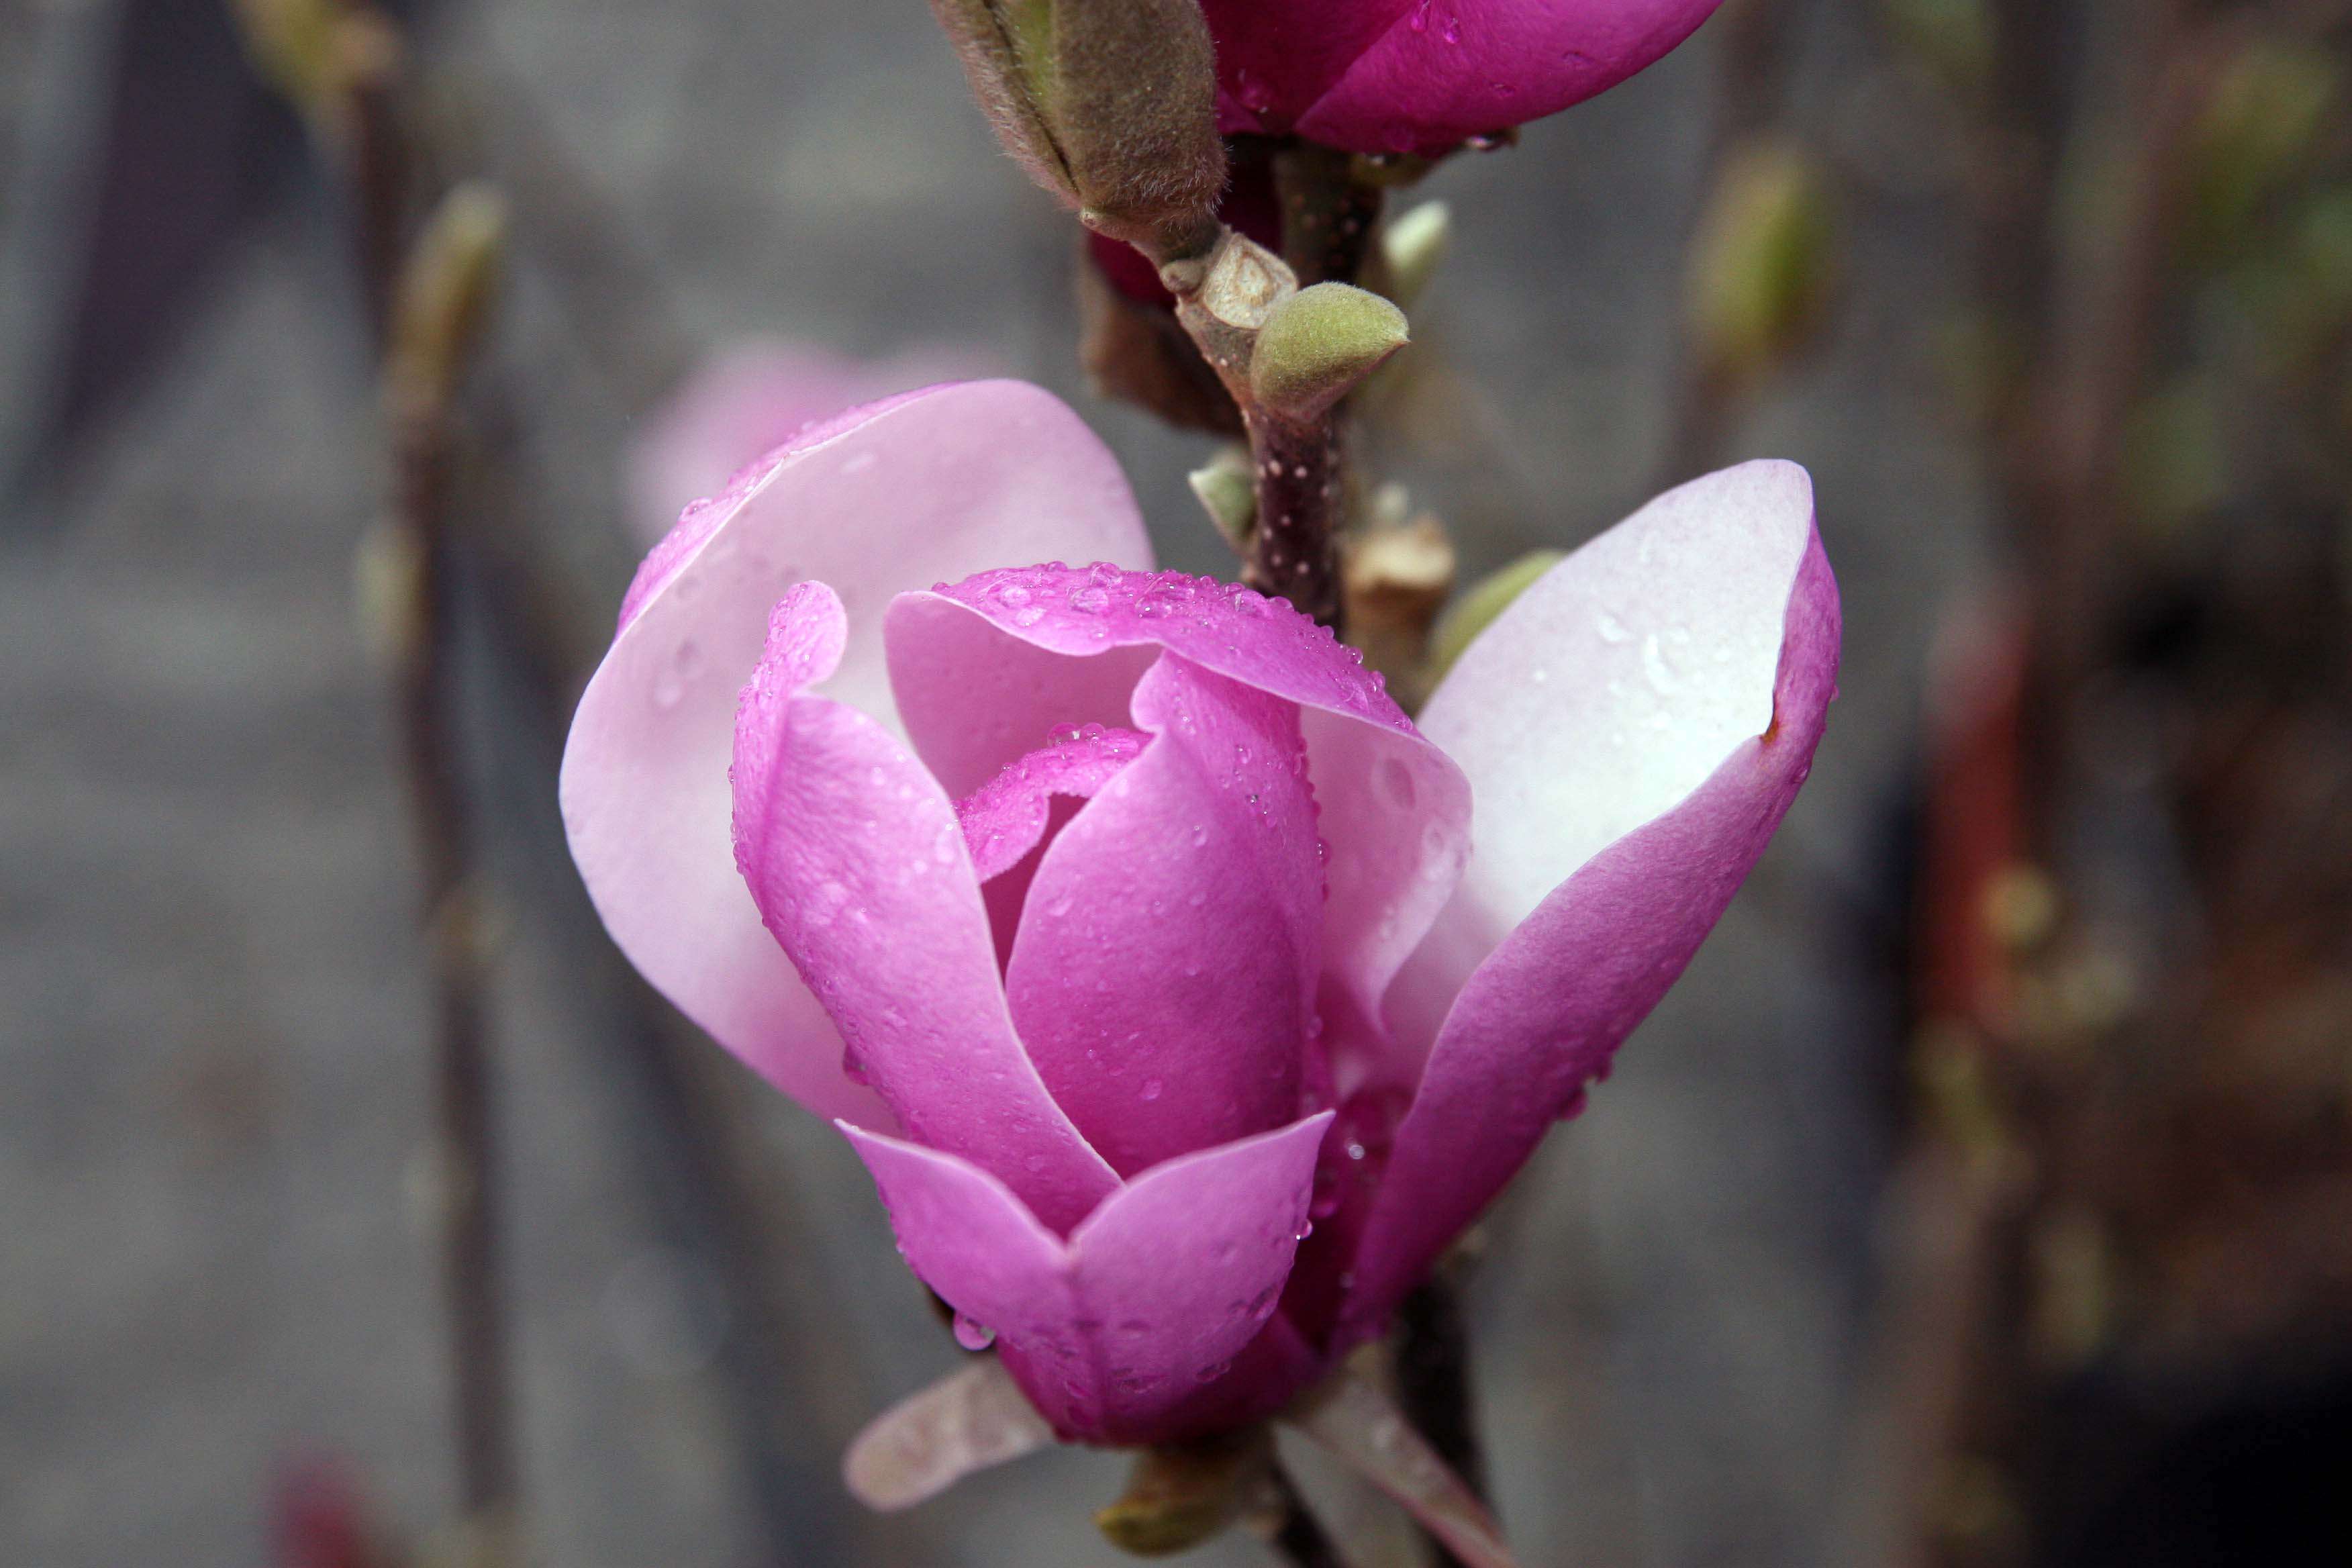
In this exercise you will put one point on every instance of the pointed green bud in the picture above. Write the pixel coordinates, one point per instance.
(1764, 260)
(444, 293)
(1411, 247)
(1182, 1494)
(1108, 104)
(1952, 37)
(1482, 607)
(2262, 120)
(1229, 495)
(1318, 346)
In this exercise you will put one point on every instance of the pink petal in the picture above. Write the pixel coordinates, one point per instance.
(973, 1419)
(981, 667)
(938, 483)
(1006, 818)
(1276, 58)
(1117, 1332)
(1163, 976)
(749, 398)
(1449, 69)
(1636, 726)
(858, 864)
(1405, 76)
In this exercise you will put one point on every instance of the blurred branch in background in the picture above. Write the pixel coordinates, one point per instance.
(398, 136)
(2131, 961)
(1762, 263)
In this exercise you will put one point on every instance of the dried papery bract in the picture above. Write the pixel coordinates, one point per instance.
(1110, 104)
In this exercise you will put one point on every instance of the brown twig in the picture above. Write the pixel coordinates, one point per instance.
(1295, 548)
(1751, 70)
(426, 327)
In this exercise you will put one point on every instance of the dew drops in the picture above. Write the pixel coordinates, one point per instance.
(1151, 1090)
(1611, 628)
(1661, 675)
(1396, 784)
(973, 1336)
(1089, 601)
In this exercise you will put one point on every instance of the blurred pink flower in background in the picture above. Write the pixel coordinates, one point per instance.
(747, 399)
(1420, 76)
(1182, 996)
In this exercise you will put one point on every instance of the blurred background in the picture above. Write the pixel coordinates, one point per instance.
(1982, 1196)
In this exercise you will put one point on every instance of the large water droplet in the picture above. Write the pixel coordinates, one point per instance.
(973, 1336)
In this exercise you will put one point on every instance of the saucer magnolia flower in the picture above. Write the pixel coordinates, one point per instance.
(746, 399)
(1420, 76)
(1183, 998)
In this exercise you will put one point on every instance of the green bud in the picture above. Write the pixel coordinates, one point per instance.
(1953, 37)
(2263, 119)
(444, 292)
(1229, 495)
(1411, 247)
(2176, 459)
(1182, 1494)
(1318, 345)
(1763, 261)
(1482, 605)
(1108, 104)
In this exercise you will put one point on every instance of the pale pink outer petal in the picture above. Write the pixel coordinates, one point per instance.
(980, 667)
(1636, 725)
(936, 484)
(1117, 1332)
(858, 864)
(1164, 972)
(752, 396)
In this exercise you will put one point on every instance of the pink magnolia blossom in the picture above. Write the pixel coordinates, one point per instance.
(1182, 996)
(1420, 76)
(748, 398)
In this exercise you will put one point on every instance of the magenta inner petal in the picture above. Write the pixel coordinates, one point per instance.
(1164, 975)
(857, 864)
(1006, 818)
(981, 668)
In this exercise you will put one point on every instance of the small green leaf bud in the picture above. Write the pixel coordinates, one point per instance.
(1411, 246)
(1318, 346)
(1763, 262)
(1227, 495)
(1482, 607)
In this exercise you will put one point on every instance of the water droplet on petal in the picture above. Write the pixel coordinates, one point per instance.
(973, 1336)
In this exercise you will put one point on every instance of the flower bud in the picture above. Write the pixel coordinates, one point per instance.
(1110, 104)
(1318, 346)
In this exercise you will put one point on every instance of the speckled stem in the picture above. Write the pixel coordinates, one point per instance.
(1295, 550)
